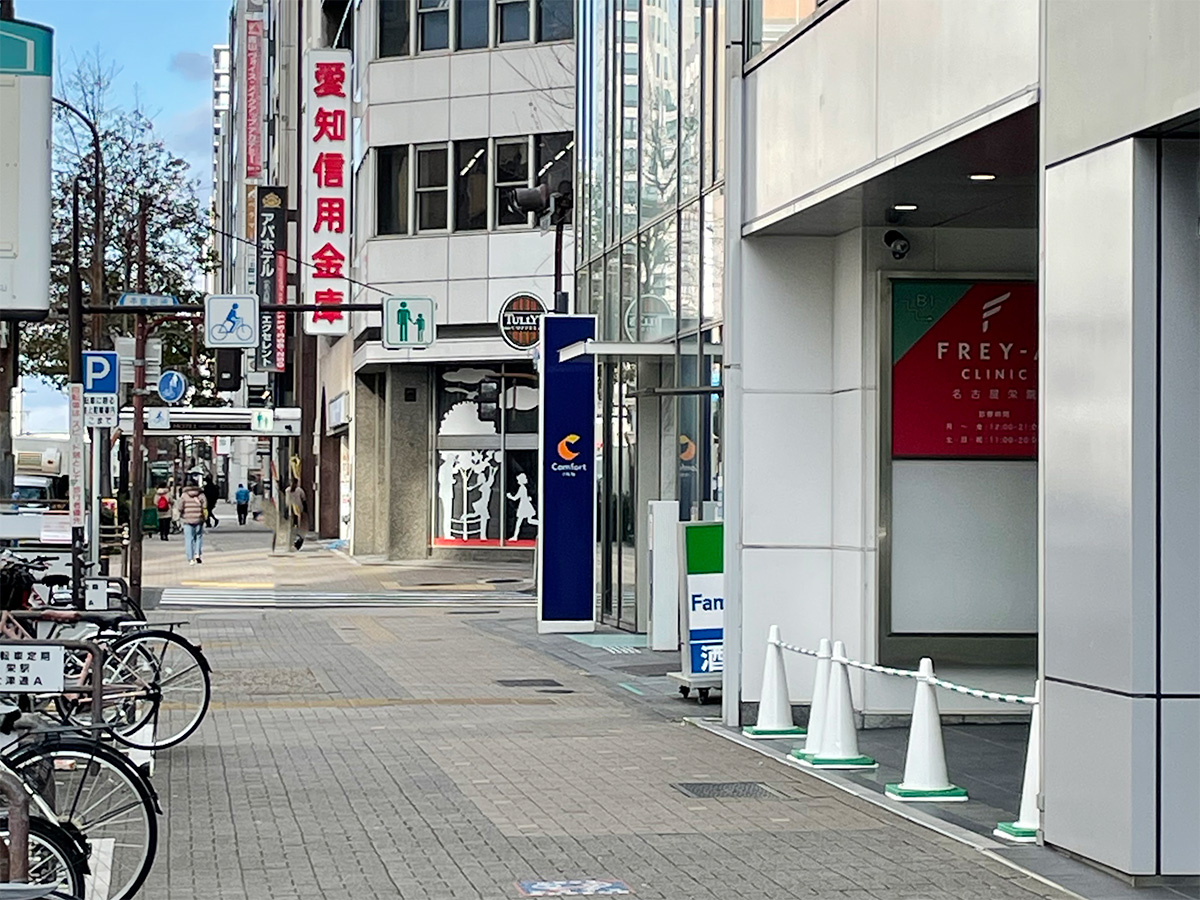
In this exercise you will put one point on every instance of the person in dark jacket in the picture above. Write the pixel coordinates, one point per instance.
(210, 497)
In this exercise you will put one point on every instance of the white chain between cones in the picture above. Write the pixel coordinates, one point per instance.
(912, 673)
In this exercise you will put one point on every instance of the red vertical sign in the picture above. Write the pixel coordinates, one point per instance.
(254, 147)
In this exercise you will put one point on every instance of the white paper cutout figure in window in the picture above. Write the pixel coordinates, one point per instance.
(445, 478)
(485, 476)
(526, 512)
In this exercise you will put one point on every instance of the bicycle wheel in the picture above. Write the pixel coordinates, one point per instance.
(95, 790)
(178, 688)
(57, 858)
(243, 332)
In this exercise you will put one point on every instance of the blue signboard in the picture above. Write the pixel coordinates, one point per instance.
(101, 372)
(172, 386)
(567, 486)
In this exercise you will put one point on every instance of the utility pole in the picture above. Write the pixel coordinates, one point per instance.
(136, 468)
(75, 372)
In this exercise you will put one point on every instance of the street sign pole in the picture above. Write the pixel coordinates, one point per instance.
(137, 471)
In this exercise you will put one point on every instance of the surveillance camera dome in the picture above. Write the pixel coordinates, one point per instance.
(897, 243)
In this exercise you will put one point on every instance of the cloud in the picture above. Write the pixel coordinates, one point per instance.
(192, 66)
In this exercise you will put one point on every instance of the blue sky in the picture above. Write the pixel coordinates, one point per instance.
(164, 51)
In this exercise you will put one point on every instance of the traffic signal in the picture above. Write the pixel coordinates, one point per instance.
(229, 369)
(487, 401)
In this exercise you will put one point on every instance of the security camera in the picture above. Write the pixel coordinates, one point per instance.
(897, 243)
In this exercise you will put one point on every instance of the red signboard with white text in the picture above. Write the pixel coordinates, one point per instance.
(325, 227)
(254, 92)
(964, 369)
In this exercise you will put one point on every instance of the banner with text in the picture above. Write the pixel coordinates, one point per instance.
(567, 480)
(325, 225)
(704, 597)
(964, 369)
(271, 250)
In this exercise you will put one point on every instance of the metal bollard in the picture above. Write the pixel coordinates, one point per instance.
(17, 857)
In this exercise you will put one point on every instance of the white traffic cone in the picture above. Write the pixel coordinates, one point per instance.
(774, 709)
(839, 739)
(816, 712)
(925, 775)
(1029, 820)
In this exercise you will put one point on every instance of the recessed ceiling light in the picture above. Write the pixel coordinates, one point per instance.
(983, 176)
(905, 207)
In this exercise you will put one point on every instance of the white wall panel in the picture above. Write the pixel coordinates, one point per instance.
(533, 68)
(470, 117)
(519, 253)
(789, 588)
(787, 487)
(523, 113)
(468, 256)
(1098, 428)
(419, 122)
(468, 301)
(470, 74)
(1089, 100)
(406, 259)
(849, 473)
(848, 311)
(405, 80)
(501, 288)
(788, 325)
(941, 61)
(811, 109)
(1180, 795)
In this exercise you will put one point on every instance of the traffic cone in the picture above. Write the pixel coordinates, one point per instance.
(774, 709)
(1025, 829)
(925, 776)
(816, 712)
(839, 739)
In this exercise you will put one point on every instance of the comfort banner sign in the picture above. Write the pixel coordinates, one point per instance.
(964, 369)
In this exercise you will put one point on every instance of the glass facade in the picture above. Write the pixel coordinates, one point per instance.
(649, 263)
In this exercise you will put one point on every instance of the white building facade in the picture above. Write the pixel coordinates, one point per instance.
(958, 363)
(454, 104)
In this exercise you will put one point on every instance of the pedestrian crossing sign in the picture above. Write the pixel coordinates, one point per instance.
(408, 322)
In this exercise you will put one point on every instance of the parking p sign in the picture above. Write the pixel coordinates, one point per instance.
(231, 320)
(100, 372)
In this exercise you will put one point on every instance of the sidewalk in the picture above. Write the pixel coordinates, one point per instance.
(426, 755)
(239, 558)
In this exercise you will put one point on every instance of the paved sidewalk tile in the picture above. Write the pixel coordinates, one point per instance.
(376, 755)
(239, 558)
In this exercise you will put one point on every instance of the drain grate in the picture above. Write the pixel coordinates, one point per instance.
(555, 691)
(529, 682)
(501, 580)
(727, 790)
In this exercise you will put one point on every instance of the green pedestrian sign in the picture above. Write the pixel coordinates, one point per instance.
(408, 322)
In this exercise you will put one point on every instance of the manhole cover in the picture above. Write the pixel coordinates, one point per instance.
(731, 790)
(528, 682)
(650, 670)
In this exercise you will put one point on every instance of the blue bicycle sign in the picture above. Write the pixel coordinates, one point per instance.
(230, 320)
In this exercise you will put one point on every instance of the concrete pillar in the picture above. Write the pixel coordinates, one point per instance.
(407, 462)
(367, 428)
(1120, 427)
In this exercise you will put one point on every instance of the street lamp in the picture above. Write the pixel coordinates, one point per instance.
(98, 203)
(541, 201)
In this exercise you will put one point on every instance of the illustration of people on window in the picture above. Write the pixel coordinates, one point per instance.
(526, 511)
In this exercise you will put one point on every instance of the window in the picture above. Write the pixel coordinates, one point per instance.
(431, 188)
(554, 157)
(472, 24)
(512, 171)
(471, 186)
(555, 20)
(391, 181)
(434, 18)
(512, 20)
(393, 28)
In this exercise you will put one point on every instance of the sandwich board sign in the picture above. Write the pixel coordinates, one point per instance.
(704, 598)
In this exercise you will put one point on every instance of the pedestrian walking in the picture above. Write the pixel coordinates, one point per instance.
(193, 512)
(162, 503)
(297, 504)
(211, 493)
(242, 499)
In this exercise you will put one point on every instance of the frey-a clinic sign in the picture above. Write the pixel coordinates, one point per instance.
(325, 227)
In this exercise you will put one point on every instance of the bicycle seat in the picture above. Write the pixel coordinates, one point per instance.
(100, 617)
